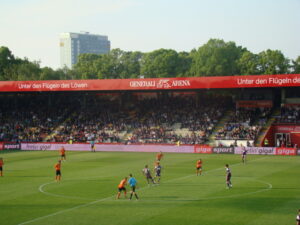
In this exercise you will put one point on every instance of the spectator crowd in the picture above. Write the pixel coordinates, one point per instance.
(168, 119)
(245, 124)
(289, 114)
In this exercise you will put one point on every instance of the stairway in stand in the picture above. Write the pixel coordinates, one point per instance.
(265, 128)
(212, 138)
(59, 127)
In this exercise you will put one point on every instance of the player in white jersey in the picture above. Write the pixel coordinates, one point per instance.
(298, 218)
(228, 176)
(147, 173)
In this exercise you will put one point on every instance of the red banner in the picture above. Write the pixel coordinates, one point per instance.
(286, 128)
(286, 151)
(179, 83)
(206, 149)
(254, 104)
(1, 146)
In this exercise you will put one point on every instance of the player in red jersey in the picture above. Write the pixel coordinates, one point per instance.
(57, 167)
(199, 167)
(159, 156)
(62, 151)
(121, 187)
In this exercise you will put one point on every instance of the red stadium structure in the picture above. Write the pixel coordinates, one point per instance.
(279, 92)
(155, 84)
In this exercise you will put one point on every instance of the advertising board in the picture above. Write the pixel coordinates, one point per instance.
(255, 150)
(286, 151)
(223, 150)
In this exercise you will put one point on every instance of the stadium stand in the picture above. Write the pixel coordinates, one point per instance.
(156, 120)
(28, 119)
(289, 114)
(244, 125)
(186, 119)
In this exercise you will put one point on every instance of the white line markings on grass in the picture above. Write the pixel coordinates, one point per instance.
(41, 187)
(65, 210)
(108, 198)
(210, 198)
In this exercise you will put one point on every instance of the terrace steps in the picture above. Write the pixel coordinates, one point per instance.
(212, 138)
(59, 127)
(265, 128)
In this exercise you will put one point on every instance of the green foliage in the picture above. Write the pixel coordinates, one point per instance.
(87, 66)
(131, 66)
(6, 59)
(24, 70)
(160, 63)
(183, 64)
(249, 64)
(273, 62)
(48, 73)
(215, 58)
(13, 69)
(296, 65)
(115, 64)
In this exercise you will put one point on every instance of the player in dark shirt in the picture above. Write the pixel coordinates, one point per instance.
(228, 176)
(1, 166)
(157, 170)
(244, 155)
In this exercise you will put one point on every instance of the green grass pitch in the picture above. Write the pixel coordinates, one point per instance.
(266, 191)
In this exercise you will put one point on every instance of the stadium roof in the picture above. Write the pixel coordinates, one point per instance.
(179, 83)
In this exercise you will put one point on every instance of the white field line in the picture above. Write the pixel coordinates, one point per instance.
(108, 198)
(270, 186)
(76, 197)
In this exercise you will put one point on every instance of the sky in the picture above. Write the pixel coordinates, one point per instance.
(31, 28)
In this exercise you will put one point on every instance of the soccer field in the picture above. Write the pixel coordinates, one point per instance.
(265, 190)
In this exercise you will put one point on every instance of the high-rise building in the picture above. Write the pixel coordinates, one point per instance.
(74, 44)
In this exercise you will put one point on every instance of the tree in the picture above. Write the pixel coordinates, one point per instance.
(6, 59)
(23, 71)
(48, 73)
(216, 58)
(131, 67)
(87, 66)
(273, 62)
(296, 65)
(110, 66)
(160, 63)
(184, 64)
(248, 64)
